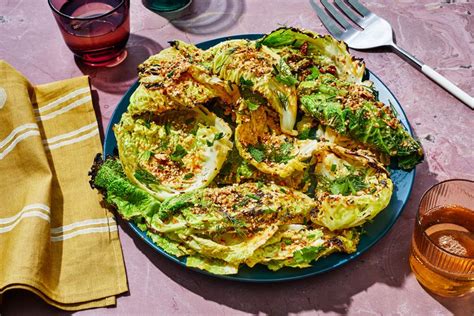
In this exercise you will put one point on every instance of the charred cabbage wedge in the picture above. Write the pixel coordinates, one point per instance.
(236, 224)
(263, 77)
(353, 110)
(175, 79)
(352, 188)
(261, 142)
(307, 52)
(175, 152)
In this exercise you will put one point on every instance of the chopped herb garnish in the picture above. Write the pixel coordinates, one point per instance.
(257, 153)
(345, 185)
(218, 136)
(254, 196)
(283, 100)
(314, 74)
(244, 201)
(245, 82)
(178, 154)
(164, 143)
(333, 167)
(287, 241)
(236, 223)
(188, 176)
(279, 154)
(283, 74)
(170, 74)
(167, 128)
(304, 134)
(146, 155)
(252, 106)
(282, 154)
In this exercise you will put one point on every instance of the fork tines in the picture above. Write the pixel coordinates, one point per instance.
(335, 29)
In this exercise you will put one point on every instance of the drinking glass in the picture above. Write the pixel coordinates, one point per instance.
(166, 5)
(96, 31)
(442, 253)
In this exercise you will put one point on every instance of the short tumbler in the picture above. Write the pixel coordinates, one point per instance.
(96, 31)
(442, 253)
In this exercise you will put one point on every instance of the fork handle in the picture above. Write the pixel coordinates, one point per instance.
(437, 77)
(448, 85)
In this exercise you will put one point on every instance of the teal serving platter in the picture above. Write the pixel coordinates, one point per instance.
(374, 231)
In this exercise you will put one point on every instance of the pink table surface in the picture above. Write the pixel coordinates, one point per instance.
(380, 282)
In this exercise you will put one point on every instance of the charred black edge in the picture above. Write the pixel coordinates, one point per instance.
(174, 44)
(96, 165)
(371, 161)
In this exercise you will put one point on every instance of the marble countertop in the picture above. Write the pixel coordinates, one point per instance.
(440, 33)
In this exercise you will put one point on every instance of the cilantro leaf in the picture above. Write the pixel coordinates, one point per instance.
(282, 154)
(252, 106)
(254, 196)
(216, 137)
(245, 82)
(346, 185)
(283, 74)
(257, 153)
(314, 74)
(188, 176)
(178, 153)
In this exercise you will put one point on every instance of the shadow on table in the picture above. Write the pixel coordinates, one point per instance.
(206, 16)
(334, 291)
(98, 114)
(118, 79)
(457, 305)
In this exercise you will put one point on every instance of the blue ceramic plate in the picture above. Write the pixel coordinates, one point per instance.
(403, 182)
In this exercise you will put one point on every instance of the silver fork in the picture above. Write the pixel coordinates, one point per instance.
(376, 32)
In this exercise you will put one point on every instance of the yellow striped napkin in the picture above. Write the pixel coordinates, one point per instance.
(55, 238)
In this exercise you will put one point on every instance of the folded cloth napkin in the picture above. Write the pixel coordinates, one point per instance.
(55, 238)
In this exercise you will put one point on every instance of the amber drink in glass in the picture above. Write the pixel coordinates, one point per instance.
(96, 31)
(442, 253)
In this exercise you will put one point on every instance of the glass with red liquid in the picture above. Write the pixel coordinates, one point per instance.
(96, 31)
